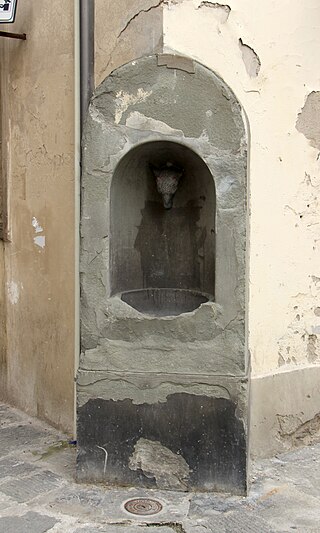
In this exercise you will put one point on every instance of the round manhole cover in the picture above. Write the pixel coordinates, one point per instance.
(143, 506)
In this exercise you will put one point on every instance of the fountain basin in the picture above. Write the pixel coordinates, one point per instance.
(164, 301)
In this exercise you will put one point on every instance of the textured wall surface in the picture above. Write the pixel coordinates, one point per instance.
(38, 123)
(125, 30)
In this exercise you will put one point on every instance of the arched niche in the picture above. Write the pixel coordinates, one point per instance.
(142, 376)
(159, 248)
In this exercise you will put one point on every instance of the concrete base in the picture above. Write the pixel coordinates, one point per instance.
(285, 411)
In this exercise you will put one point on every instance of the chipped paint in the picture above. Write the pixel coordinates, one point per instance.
(221, 11)
(251, 59)
(39, 240)
(36, 225)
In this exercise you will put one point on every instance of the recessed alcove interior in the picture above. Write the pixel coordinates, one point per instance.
(162, 261)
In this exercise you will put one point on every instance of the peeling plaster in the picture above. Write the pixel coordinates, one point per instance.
(39, 240)
(308, 121)
(222, 11)
(251, 59)
(301, 341)
(124, 100)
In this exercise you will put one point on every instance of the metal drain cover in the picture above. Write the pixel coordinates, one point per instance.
(143, 506)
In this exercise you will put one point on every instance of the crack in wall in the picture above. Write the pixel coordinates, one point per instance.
(128, 23)
(161, 2)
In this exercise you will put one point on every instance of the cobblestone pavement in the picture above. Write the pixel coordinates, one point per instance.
(38, 492)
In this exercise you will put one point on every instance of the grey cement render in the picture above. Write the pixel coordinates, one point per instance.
(126, 354)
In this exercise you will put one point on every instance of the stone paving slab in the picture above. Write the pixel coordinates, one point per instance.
(25, 489)
(237, 521)
(288, 509)
(14, 437)
(29, 523)
(15, 468)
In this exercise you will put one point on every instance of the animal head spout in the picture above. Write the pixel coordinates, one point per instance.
(167, 180)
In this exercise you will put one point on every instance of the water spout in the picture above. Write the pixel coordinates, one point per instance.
(167, 179)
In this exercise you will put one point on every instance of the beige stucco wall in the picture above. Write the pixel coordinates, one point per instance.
(38, 280)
